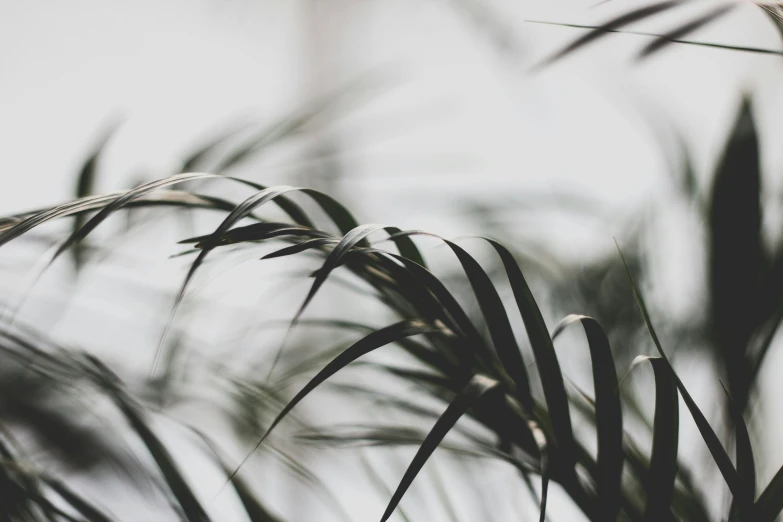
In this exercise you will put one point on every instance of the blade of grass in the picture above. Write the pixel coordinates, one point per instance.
(179, 487)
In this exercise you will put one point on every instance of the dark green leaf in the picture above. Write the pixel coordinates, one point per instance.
(374, 340)
(179, 487)
(717, 450)
(608, 412)
(546, 359)
(746, 466)
(477, 387)
(256, 512)
(736, 253)
(663, 459)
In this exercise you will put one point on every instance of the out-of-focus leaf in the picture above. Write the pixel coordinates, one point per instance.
(741, 507)
(478, 386)
(684, 30)
(770, 502)
(186, 499)
(339, 214)
(608, 413)
(86, 509)
(775, 13)
(85, 186)
(374, 340)
(301, 247)
(725, 47)
(640, 13)
(736, 253)
(196, 159)
(256, 512)
(335, 257)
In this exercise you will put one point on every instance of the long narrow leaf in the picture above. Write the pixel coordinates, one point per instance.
(663, 459)
(608, 412)
(684, 30)
(741, 507)
(717, 450)
(478, 386)
(546, 359)
(374, 340)
(614, 24)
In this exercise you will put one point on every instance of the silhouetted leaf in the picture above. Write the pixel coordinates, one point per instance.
(85, 185)
(608, 414)
(663, 459)
(640, 13)
(684, 30)
(717, 450)
(477, 387)
(374, 340)
(741, 507)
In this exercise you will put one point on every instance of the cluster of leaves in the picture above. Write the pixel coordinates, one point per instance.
(476, 364)
(482, 375)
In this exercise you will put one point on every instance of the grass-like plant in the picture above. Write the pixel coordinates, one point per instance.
(474, 364)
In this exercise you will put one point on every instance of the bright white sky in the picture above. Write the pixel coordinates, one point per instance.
(460, 119)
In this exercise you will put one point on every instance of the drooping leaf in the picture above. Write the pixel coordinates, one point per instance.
(546, 359)
(478, 386)
(335, 257)
(608, 413)
(635, 15)
(255, 510)
(684, 30)
(663, 459)
(186, 499)
(718, 452)
(496, 318)
(85, 508)
(710, 45)
(85, 185)
(377, 339)
(736, 252)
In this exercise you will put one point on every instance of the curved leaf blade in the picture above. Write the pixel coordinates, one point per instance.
(717, 450)
(608, 412)
(663, 459)
(370, 342)
(478, 386)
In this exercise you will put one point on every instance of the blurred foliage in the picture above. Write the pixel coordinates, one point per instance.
(456, 331)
